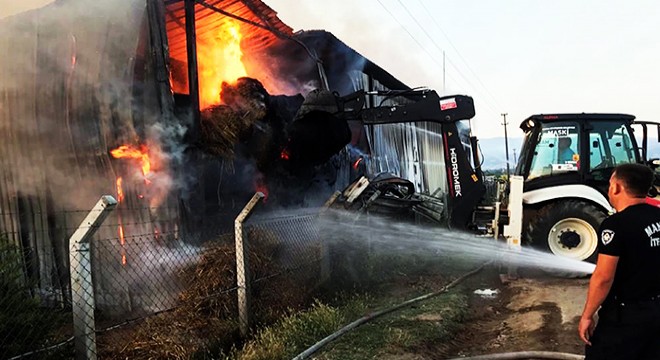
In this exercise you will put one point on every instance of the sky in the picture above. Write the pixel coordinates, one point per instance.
(519, 57)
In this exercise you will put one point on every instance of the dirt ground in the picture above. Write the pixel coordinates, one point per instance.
(536, 311)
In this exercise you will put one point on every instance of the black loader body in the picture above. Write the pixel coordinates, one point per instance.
(464, 182)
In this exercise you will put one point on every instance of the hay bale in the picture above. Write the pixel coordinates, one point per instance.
(206, 320)
(215, 274)
(223, 126)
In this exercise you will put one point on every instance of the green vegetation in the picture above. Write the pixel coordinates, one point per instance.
(24, 324)
(389, 280)
(403, 331)
(293, 334)
(410, 328)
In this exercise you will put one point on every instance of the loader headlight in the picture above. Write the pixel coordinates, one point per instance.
(530, 123)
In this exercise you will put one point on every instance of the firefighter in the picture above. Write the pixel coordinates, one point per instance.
(626, 281)
(565, 152)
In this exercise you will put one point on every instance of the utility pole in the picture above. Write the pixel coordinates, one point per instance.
(506, 146)
(444, 83)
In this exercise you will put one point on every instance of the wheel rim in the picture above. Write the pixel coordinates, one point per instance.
(562, 239)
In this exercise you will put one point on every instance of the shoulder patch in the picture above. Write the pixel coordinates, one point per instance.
(606, 236)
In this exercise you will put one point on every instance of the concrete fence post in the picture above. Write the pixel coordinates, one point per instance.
(82, 287)
(242, 276)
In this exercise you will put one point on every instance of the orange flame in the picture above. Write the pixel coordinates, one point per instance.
(140, 153)
(220, 59)
(120, 191)
(122, 239)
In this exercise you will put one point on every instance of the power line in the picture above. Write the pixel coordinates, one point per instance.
(441, 50)
(409, 33)
(459, 53)
(428, 53)
(412, 16)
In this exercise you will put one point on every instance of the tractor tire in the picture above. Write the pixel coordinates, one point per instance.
(566, 228)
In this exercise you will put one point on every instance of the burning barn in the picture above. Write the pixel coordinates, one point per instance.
(181, 110)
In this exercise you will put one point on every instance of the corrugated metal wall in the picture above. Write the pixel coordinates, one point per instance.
(412, 151)
(76, 80)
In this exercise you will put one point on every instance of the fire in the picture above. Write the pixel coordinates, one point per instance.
(140, 153)
(120, 191)
(122, 239)
(219, 59)
(284, 155)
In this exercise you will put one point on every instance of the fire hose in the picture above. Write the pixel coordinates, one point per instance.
(314, 348)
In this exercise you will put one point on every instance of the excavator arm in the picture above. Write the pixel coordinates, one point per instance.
(465, 184)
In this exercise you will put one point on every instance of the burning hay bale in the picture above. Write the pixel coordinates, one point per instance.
(206, 323)
(305, 129)
(247, 96)
(285, 141)
(224, 126)
(221, 129)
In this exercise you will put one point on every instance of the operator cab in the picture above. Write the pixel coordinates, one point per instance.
(566, 149)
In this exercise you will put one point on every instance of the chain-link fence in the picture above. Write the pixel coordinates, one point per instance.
(144, 289)
(27, 321)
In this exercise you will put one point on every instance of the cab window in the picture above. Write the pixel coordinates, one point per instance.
(611, 145)
(557, 150)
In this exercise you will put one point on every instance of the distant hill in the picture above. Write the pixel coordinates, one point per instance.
(494, 154)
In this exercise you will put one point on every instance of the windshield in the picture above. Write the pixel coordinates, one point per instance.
(557, 150)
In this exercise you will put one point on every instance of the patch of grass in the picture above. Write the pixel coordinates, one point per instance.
(294, 333)
(399, 332)
(403, 331)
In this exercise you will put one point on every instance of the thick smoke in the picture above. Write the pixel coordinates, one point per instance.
(80, 82)
(68, 97)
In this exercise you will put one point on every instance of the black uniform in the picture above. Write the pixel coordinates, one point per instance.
(629, 319)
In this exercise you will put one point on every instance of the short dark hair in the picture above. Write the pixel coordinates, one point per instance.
(637, 178)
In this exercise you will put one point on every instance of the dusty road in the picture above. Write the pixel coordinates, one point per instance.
(533, 312)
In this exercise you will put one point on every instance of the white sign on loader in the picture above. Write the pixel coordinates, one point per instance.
(513, 231)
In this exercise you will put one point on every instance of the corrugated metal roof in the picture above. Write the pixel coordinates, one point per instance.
(208, 21)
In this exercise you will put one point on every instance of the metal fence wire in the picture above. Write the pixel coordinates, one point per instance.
(26, 324)
(148, 290)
